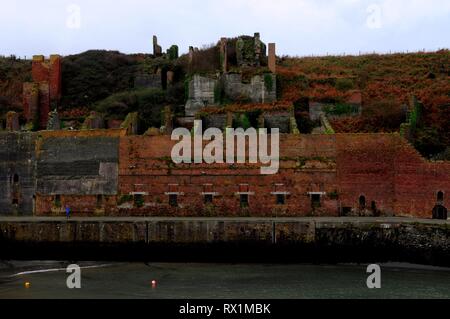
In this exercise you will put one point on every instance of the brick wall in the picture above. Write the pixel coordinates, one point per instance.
(320, 175)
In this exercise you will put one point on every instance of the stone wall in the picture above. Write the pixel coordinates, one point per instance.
(77, 170)
(257, 91)
(17, 173)
(306, 240)
(279, 120)
(201, 94)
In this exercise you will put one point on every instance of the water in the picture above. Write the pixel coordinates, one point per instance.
(217, 281)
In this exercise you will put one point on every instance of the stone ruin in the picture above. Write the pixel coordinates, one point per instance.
(44, 93)
(243, 52)
(157, 50)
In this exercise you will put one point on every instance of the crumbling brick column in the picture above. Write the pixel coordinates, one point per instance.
(272, 58)
(43, 94)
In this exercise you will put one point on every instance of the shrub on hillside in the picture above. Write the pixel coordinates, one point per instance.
(149, 103)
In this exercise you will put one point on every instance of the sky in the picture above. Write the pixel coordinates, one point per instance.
(299, 27)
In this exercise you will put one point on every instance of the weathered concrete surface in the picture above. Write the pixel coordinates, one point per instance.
(416, 239)
(77, 166)
(17, 173)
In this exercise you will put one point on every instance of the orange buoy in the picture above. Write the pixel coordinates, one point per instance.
(27, 285)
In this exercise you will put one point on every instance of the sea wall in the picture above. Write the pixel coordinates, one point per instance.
(306, 239)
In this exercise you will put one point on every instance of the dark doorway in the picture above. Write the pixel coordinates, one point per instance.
(244, 200)
(16, 179)
(374, 209)
(440, 212)
(99, 201)
(316, 201)
(362, 202)
(173, 200)
(281, 199)
(440, 197)
(208, 199)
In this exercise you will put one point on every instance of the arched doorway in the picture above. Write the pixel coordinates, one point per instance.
(440, 212)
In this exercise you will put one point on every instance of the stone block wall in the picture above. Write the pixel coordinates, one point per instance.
(78, 169)
(279, 120)
(17, 173)
(201, 94)
(257, 91)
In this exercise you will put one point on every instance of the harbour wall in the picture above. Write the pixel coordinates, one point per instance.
(321, 240)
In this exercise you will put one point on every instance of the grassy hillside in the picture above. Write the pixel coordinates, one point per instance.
(386, 81)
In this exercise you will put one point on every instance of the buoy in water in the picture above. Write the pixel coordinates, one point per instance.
(154, 284)
(27, 285)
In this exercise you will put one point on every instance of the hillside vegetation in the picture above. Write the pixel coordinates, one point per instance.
(386, 82)
(104, 81)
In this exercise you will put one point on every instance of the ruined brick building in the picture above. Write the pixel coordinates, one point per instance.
(114, 172)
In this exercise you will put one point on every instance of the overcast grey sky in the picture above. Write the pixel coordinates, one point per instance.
(299, 27)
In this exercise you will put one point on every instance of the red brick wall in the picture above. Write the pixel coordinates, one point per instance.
(382, 167)
(47, 75)
(417, 182)
(79, 205)
(366, 168)
(145, 167)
